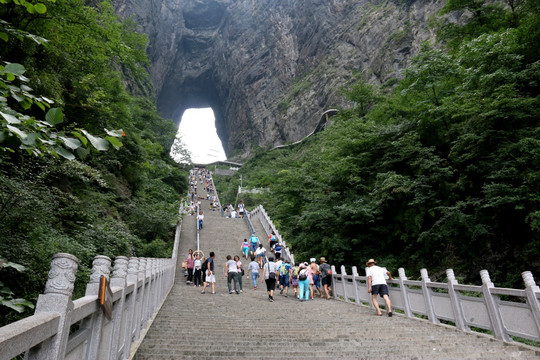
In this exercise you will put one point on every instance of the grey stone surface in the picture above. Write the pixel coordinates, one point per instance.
(270, 68)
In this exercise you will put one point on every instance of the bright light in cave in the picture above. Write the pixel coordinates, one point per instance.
(197, 132)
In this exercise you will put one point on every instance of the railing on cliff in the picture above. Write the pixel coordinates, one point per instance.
(466, 306)
(64, 329)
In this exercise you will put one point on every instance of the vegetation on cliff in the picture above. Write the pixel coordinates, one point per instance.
(443, 171)
(77, 58)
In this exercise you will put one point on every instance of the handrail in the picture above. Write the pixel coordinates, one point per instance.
(466, 306)
(62, 328)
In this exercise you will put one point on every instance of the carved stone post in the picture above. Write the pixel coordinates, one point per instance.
(100, 266)
(344, 282)
(459, 317)
(428, 297)
(404, 292)
(532, 290)
(334, 277)
(355, 284)
(492, 306)
(143, 268)
(131, 305)
(57, 299)
(118, 280)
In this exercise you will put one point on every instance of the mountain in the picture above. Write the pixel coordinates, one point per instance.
(269, 69)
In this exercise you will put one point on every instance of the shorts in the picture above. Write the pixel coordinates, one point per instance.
(327, 280)
(284, 280)
(253, 246)
(210, 278)
(270, 284)
(272, 243)
(316, 281)
(294, 282)
(260, 255)
(381, 289)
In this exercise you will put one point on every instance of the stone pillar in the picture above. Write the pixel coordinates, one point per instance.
(404, 292)
(334, 277)
(492, 306)
(355, 284)
(57, 299)
(143, 269)
(426, 290)
(459, 317)
(532, 291)
(100, 266)
(118, 280)
(131, 305)
(344, 282)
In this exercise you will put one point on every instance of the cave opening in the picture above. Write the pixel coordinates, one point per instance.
(198, 134)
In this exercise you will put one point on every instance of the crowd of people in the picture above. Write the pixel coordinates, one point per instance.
(307, 280)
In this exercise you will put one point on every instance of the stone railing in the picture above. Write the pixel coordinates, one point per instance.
(269, 226)
(466, 306)
(64, 329)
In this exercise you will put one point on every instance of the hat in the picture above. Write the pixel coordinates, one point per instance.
(312, 260)
(323, 259)
(371, 261)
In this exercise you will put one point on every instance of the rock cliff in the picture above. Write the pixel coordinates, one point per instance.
(269, 68)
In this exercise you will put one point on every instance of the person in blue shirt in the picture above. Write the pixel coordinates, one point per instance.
(253, 240)
(284, 276)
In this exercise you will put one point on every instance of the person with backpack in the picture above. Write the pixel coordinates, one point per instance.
(303, 282)
(326, 277)
(284, 275)
(253, 241)
(294, 279)
(210, 275)
(277, 249)
(253, 268)
(269, 275)
(272, 239)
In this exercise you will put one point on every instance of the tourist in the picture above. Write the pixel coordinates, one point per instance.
(233, 214)
(376, 279)
(284, 276)
(260, 252)
(316, 278)
(210, 275)
(272, 239)
(241, 209)
(253, 241)
(253, 268)
(269, 276)
(245, 248)
(200, 218)
(277, 249)
(189, 267)
(231, 273)
(326, 277)
(240, 268)
(294, 279)
(303, 281)
(197, 264)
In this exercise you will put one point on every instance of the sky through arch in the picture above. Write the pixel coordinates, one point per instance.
(197, 131)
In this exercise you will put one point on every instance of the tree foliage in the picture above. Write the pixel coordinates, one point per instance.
(71, 72)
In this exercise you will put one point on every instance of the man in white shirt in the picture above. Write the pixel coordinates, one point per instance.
(376, 279)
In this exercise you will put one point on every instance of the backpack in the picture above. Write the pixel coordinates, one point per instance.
(204, 266)
(302, 276)
(283, 271)
(271, 274)
(295, 273)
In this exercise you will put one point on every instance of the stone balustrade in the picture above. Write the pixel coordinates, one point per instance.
(64, 329)
(504, 312)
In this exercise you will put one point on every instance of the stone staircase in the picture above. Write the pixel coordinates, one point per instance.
(191, 325)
